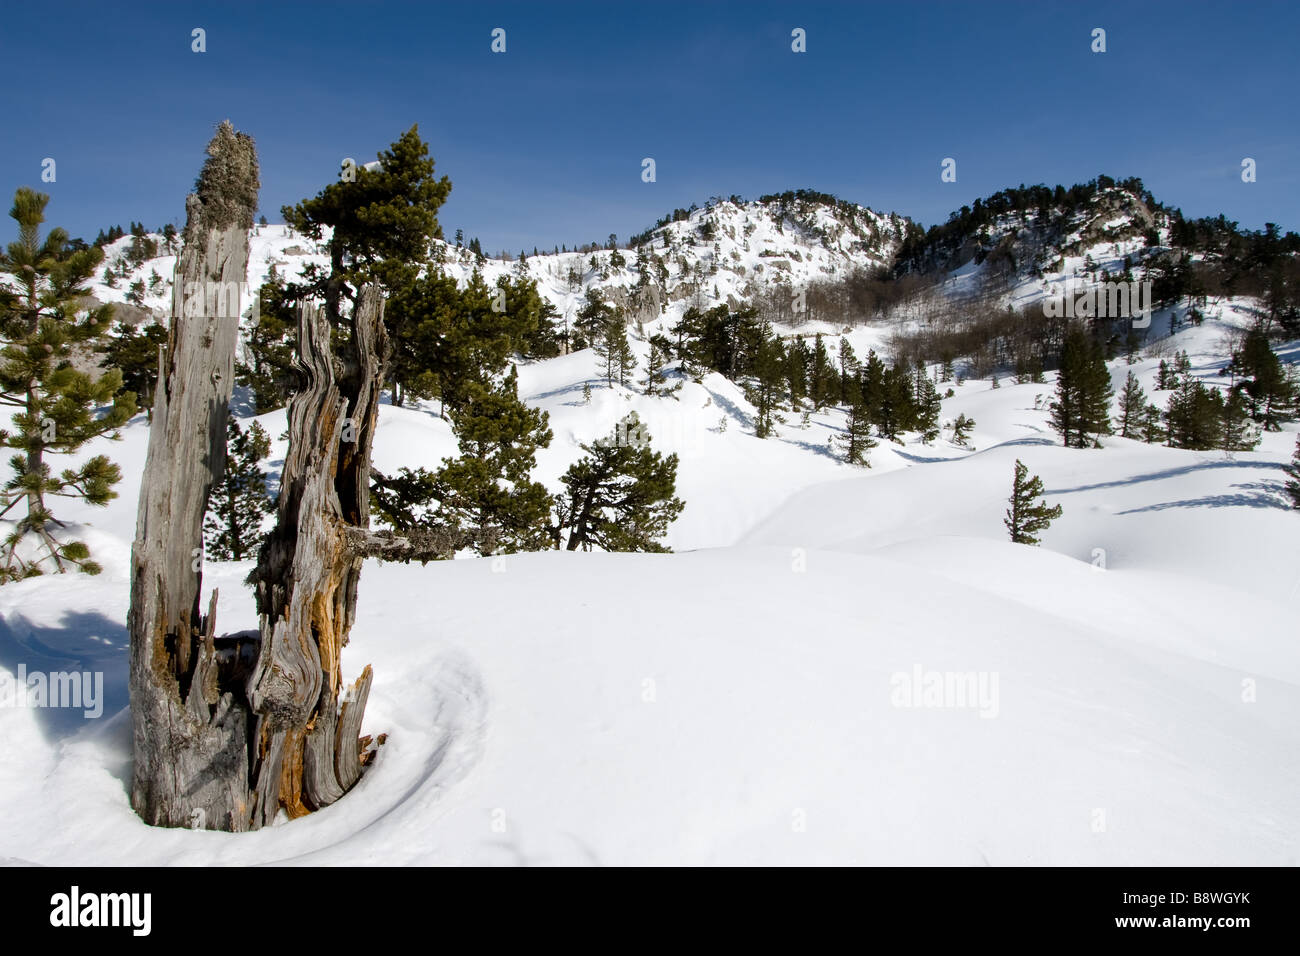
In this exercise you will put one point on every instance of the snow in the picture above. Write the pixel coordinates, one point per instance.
(736, 702)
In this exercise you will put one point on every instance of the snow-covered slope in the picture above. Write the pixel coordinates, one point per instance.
(721, 707)
(1135, 681)
(772, 251)
(729, 250)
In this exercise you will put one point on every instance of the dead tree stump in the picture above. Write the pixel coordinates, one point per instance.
(228, 730)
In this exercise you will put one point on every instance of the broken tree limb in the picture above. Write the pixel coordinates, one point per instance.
(421, 543)
(306, 753)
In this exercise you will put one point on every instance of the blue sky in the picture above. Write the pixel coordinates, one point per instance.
(544, 143)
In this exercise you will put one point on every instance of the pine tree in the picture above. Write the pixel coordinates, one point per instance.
(444, 339)
(961, 429)
(1180, 414)
(1029, 369)
(488, 489)
(59, 408)
(1194, 417)
(544, 342)
(268, 370)
(142, 247)
(897, 412)
(857, 440)
(381, 225)
(1027, 516)
(238, 502)
(848, 373)
(688, 331)
(872, 385)
(1095, 394)
(1293, 479)
(592, 320)
(620, 495)
(1132, 407)
(1081, 409)
(404, 500)
(1270, 393)
(448, 338)
(768, 366)
(719, 340)
(823, 381)
(1131, 346)
(928, 406)
(614, 355)
(796, 371)
(1151, 425)
(1237, 431)
(528, 322)
(135, 355)
(626, 358)
(656, 376)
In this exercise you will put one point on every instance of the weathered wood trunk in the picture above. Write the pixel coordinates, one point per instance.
(306, 752)
(189, 725)
(229, 729)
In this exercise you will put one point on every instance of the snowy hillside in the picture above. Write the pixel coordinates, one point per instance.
(1135, 682)
(726, 252)
(770, 251)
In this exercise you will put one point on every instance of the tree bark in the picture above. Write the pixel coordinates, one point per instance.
(305, 752)
(188, 724)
